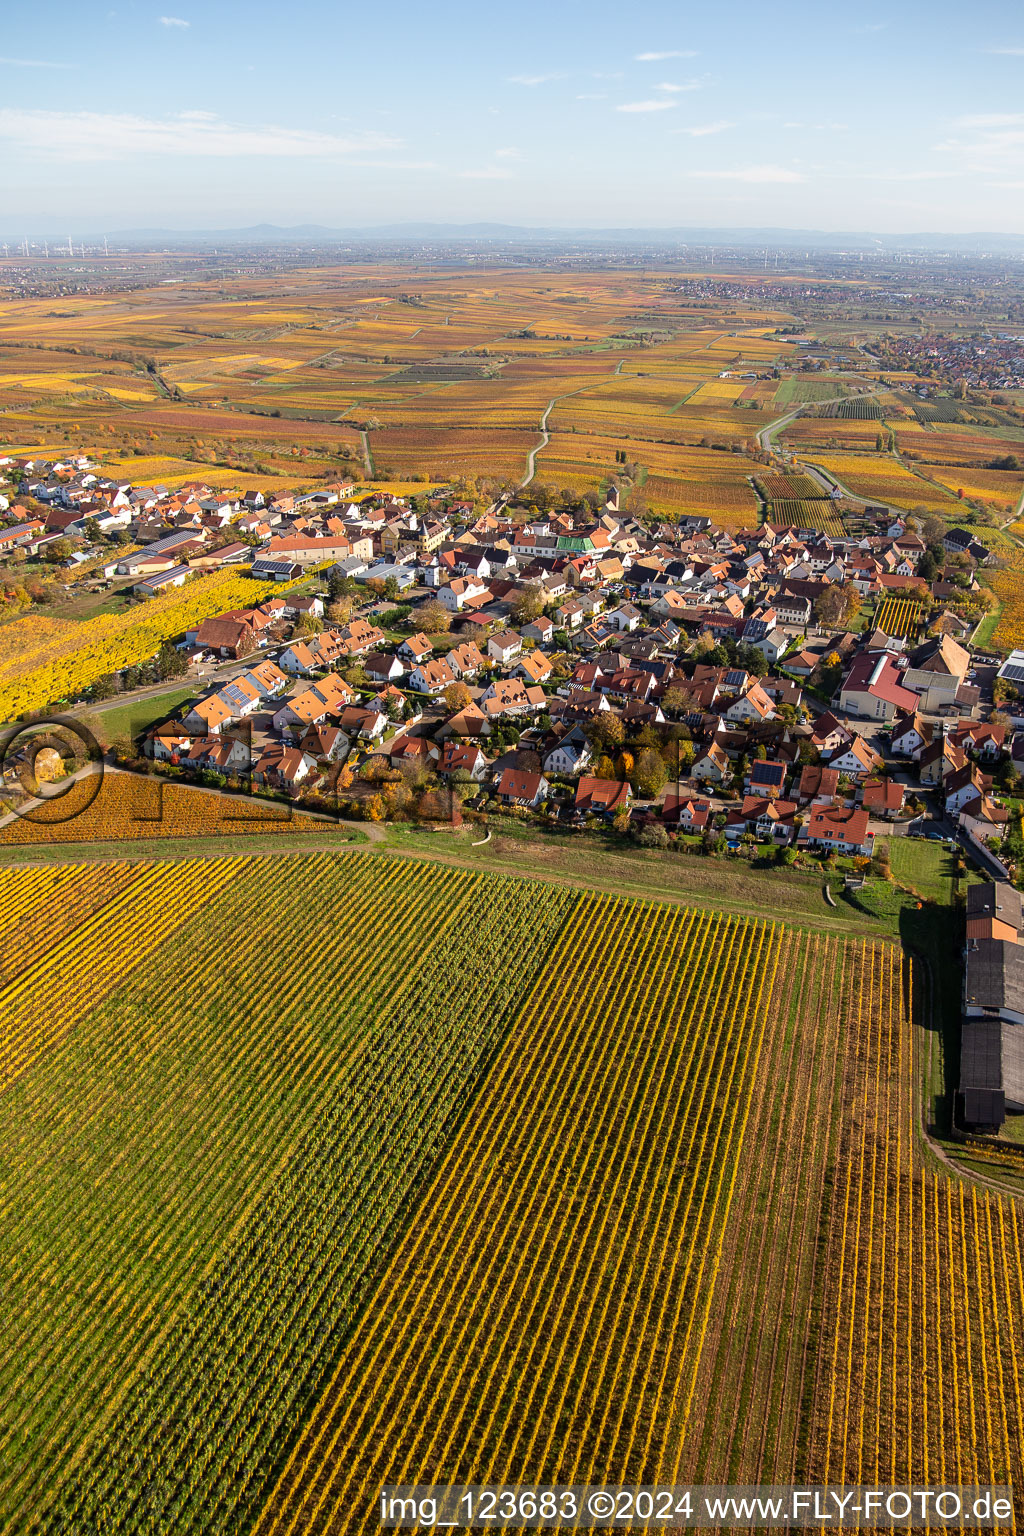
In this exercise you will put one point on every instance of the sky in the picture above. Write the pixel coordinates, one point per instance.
(558, 113)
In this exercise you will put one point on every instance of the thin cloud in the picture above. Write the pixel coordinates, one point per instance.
(174, 21)
(488, 173)
(761, 174)
(660, 105)
(702, 130)
(655, 57)
(534, 79)
(508, 154)
(34, 64)
(991, 120)
(667, 86)
(1010, 53)
(592, 96)
(117, 136)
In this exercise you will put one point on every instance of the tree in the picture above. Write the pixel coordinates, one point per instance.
(433, 617)
(606, 732)
(828, 608)
(457, 696)
(527, 605)
(59, 550)
(674, 701)
(653, 837)
(649, 773)
(391, 589)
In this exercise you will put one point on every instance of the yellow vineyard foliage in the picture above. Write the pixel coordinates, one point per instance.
(68, 658)
(128, 807)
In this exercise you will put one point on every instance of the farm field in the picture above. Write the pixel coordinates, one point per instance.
(446, 374)
(649, 1201)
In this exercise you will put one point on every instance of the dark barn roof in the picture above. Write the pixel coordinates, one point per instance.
(996, 899)
(995, 975)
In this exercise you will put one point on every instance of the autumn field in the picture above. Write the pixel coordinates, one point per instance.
(403, 372)
(435, 374)
(649, 1204)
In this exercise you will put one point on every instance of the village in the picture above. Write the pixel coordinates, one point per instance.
(686, 684)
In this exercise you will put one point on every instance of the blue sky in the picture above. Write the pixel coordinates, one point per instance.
(652, 113)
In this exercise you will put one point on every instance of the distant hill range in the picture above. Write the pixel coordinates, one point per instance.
(778, 239)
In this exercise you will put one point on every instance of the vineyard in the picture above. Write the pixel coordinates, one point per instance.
(819, 514)
(126, 807)
(50, 661)
(646, 1205)
(1007, 582)
(899, 617)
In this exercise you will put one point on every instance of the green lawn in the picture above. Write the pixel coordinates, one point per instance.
(925, 865)
(136, 715)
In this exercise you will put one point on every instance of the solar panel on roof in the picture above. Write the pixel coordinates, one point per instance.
(1013, 671)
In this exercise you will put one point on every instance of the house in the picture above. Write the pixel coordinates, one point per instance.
(766, 779)
(960, 788)
(877, 689)
(571, 755)
(226, 636)
(791, 608)
(601, 797)
(818, 785)
(415, 650)
(980, 739)
(367, 724)
(883, 797)
(765, 818)
(856, 761)
(690, 813)
(432, 677)
(830, 734)
(267, 678)
(533, 667)
(466, 659)
(330, 696)
(936, 671)
(462, 757)
(836, 829)
(940, 759)
(510, 696)
(773, 645)
(459, 592)
(298, 660)
(413, 749)
(753, 704)
(208, 717)
(910, 735)
(282, 766)
(505, 646)
(383, 667)
(221, 754)
(713, 766)
(523, 787)
(325, 742)
(540, 631)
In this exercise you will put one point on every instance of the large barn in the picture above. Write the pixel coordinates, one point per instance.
(992, 1040)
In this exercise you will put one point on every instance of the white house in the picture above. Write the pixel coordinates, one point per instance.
(572, 754)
